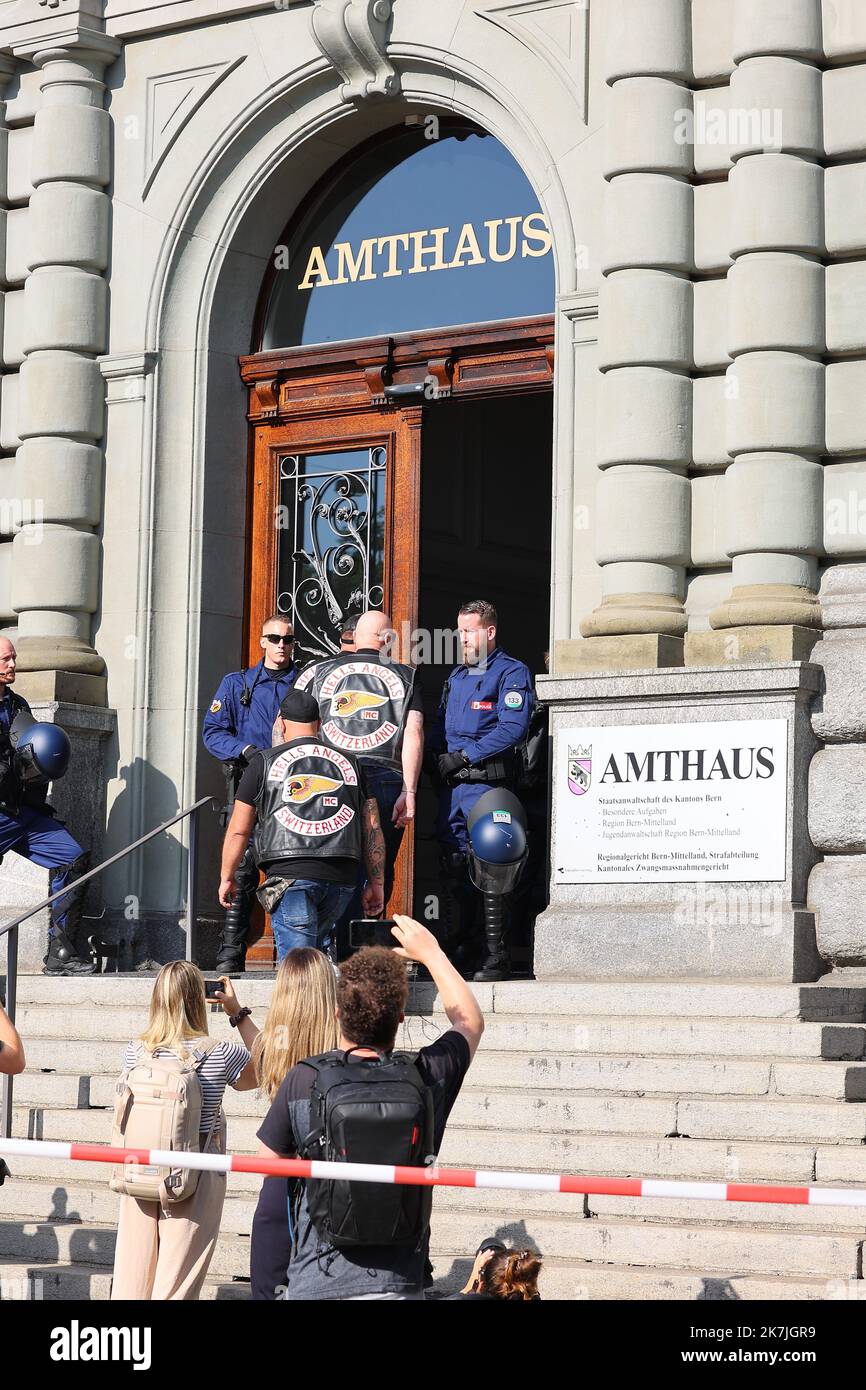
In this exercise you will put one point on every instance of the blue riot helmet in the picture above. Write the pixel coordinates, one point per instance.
(42, 751)
(497, 842)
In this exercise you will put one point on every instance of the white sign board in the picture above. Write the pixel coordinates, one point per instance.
(671, 803)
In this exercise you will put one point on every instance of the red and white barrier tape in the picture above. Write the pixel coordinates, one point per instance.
(439, 1177)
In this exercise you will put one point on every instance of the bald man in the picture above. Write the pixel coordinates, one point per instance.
(371, 707)
(29, 827)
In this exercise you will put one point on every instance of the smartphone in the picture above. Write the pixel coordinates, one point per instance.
(211, 987)
(369, 931)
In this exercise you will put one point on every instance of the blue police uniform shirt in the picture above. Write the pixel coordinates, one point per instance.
(230, 727)
(489, 706)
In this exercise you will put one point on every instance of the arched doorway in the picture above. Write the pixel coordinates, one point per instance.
(400, 403)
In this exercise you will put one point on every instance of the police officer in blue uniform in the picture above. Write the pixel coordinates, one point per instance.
(483, 719)
(239, 722)
(28, 824)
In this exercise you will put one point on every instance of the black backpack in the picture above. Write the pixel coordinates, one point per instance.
(370, 1110)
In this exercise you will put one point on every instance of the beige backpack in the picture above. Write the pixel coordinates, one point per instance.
(158, 1103)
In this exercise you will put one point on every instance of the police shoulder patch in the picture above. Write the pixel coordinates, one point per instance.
(514, 699)
(217, 705)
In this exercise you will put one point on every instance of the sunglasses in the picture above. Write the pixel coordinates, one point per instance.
(277, 637)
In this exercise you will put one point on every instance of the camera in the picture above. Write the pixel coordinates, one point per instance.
(211, 987)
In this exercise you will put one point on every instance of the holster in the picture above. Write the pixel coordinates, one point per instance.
(232, 772)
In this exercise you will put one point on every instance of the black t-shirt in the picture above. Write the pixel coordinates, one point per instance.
(324, 870)
(321, 1272)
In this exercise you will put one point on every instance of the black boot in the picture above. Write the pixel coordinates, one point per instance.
(63, 958)
(232, 952)
(68, 953)
(495, 966)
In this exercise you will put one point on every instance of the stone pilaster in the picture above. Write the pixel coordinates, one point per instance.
(56, 582)
(776, 338)
(645, 317)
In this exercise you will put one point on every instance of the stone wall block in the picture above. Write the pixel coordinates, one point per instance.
(846, 407)
(648, 222)
(708, 522)
(61, 571)
(19, 186)
(712, 39)
(69, 226)
(777, 26)
(7, 612)
(71, 143)
(706, 592)
(644, 414)
(844, 29)
(13, 328)
(777, 105)
(647, 128)
(709, 415)
(648, 38)
(643, 514)
(712, 227)
(645, 317)
(9, 392)
(837, 806)
(845, 112)
(839, 713)
(777, 205)
(845, 509)
(61, 394)
(773, 503)
(845, 209)
(837, 891)
(712, 127)
(776, 301)
(63, 477)
(710, 334)
(846, 307)
(17, 233)
(66, 309)
(777, 403)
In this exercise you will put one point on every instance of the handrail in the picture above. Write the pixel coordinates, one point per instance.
(10, 929)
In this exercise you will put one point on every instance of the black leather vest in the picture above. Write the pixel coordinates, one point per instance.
(362, 704)
(309, 804)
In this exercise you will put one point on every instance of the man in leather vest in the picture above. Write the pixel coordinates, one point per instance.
(371, 707)
(314, 820)
(30, 827)
(240, 721)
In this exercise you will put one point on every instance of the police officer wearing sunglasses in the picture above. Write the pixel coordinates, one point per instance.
(239, 722)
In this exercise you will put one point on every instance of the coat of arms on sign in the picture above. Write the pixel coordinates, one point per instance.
(579, 769)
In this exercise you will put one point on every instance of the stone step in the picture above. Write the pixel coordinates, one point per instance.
(92, 1204)
(553, 1116)
(83, 1283)
(562, 1280)
(619, 1155)
(751, 1214)
(699, 1246)
(64, 1043)
(617, 998)
(703, 1247)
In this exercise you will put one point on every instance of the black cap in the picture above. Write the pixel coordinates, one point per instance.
(299, 708)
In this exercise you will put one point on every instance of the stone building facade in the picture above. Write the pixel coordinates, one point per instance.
(702, 168)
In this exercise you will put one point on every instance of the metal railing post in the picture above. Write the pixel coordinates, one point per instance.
(11, 993)
(191, 856)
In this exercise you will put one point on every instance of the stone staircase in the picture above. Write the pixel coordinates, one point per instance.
(695, 1080)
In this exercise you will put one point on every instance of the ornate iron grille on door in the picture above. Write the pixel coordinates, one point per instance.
(331, 553)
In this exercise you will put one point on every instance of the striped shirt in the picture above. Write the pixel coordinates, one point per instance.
(220, 1068)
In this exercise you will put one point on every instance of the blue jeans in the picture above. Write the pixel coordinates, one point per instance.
(307, 913)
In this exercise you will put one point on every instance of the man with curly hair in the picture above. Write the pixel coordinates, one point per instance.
(372, 992)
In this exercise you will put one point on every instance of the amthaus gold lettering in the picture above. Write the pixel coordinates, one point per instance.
(415, 253)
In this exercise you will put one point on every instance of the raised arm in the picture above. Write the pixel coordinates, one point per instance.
(458, 1001)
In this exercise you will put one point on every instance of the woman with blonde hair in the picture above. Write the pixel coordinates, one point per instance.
(301, 1023)
(164, 1249)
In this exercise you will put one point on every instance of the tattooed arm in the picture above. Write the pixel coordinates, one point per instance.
(374, 858)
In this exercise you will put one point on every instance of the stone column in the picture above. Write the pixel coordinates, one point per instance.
(776, 338)
(645, 341)
(56, 583)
